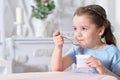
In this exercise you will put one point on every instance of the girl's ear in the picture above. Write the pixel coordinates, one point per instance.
(101, 30)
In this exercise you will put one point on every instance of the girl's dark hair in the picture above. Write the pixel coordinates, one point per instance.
(99, 17)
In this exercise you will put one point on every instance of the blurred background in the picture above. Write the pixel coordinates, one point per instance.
(21, 31)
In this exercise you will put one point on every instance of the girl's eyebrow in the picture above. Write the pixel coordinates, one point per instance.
(81, 26)
(86, 26)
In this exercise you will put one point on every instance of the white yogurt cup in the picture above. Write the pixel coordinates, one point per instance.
(80, 61)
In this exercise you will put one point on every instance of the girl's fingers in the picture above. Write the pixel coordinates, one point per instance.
(58, 39)
(90, 59)
(93, 62)
(56, 34)
(96, 63)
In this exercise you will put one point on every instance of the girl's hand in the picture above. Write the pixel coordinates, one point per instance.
(96, 63)
(58, 39)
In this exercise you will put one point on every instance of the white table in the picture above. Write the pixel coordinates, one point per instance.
(32, 54)
(55, 76)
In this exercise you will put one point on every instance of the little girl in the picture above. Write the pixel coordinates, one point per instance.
(90, 25)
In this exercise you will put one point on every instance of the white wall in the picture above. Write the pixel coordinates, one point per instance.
(116, 21)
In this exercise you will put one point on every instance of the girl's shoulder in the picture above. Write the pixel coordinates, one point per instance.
(111, 47)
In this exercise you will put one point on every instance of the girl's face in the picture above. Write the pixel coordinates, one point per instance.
(86, 32)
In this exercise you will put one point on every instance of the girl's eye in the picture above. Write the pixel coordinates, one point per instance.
(84, 28)
(74, 28)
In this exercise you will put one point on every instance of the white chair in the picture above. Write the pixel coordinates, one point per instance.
(5, 67)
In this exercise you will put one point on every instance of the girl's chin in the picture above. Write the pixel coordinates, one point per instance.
(84, 46)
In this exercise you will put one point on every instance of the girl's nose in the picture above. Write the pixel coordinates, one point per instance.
(77, 34)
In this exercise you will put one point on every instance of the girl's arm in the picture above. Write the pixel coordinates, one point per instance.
(59, 63)
(108, 72)
(56, 62)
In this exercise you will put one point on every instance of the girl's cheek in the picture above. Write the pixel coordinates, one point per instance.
(75, 34)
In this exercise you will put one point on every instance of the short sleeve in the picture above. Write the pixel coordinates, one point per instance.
(115, 66)
(73, 51)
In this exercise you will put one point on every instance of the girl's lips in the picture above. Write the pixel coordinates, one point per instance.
(80, 40)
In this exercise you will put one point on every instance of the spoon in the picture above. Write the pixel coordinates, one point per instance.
(74, 43)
